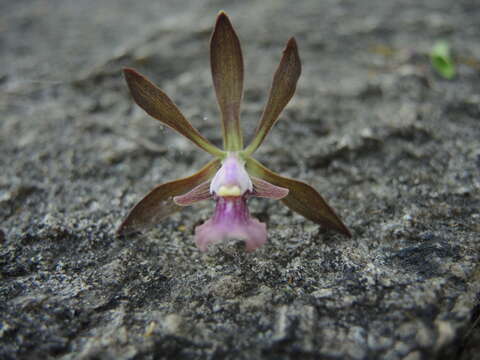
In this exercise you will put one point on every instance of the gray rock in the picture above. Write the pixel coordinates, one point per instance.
(391, 145)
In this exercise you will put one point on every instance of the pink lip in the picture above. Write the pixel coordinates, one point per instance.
(231, 220)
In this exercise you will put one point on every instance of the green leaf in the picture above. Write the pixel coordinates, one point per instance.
(442, 60)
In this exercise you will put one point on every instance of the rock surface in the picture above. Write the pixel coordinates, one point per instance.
(392, 146)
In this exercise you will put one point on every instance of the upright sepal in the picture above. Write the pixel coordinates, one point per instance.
(282, 90)
(158, 105)
(159, 203)
(227, 73)
(302, 198)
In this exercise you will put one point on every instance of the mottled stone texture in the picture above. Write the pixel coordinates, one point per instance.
(394, 148)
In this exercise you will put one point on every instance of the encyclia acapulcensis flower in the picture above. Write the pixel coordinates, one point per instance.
(233, 175)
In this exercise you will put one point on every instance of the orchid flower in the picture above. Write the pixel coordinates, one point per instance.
(233, 176)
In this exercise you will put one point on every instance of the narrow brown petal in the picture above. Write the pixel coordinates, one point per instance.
(198, 193)
(282, 90)
(158, 105)
(159, 203)
(227, 73)
(302, 198)
(262, 188)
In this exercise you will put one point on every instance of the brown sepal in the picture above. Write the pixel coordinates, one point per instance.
(158, 105)
(302, 198)
(159, 203)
